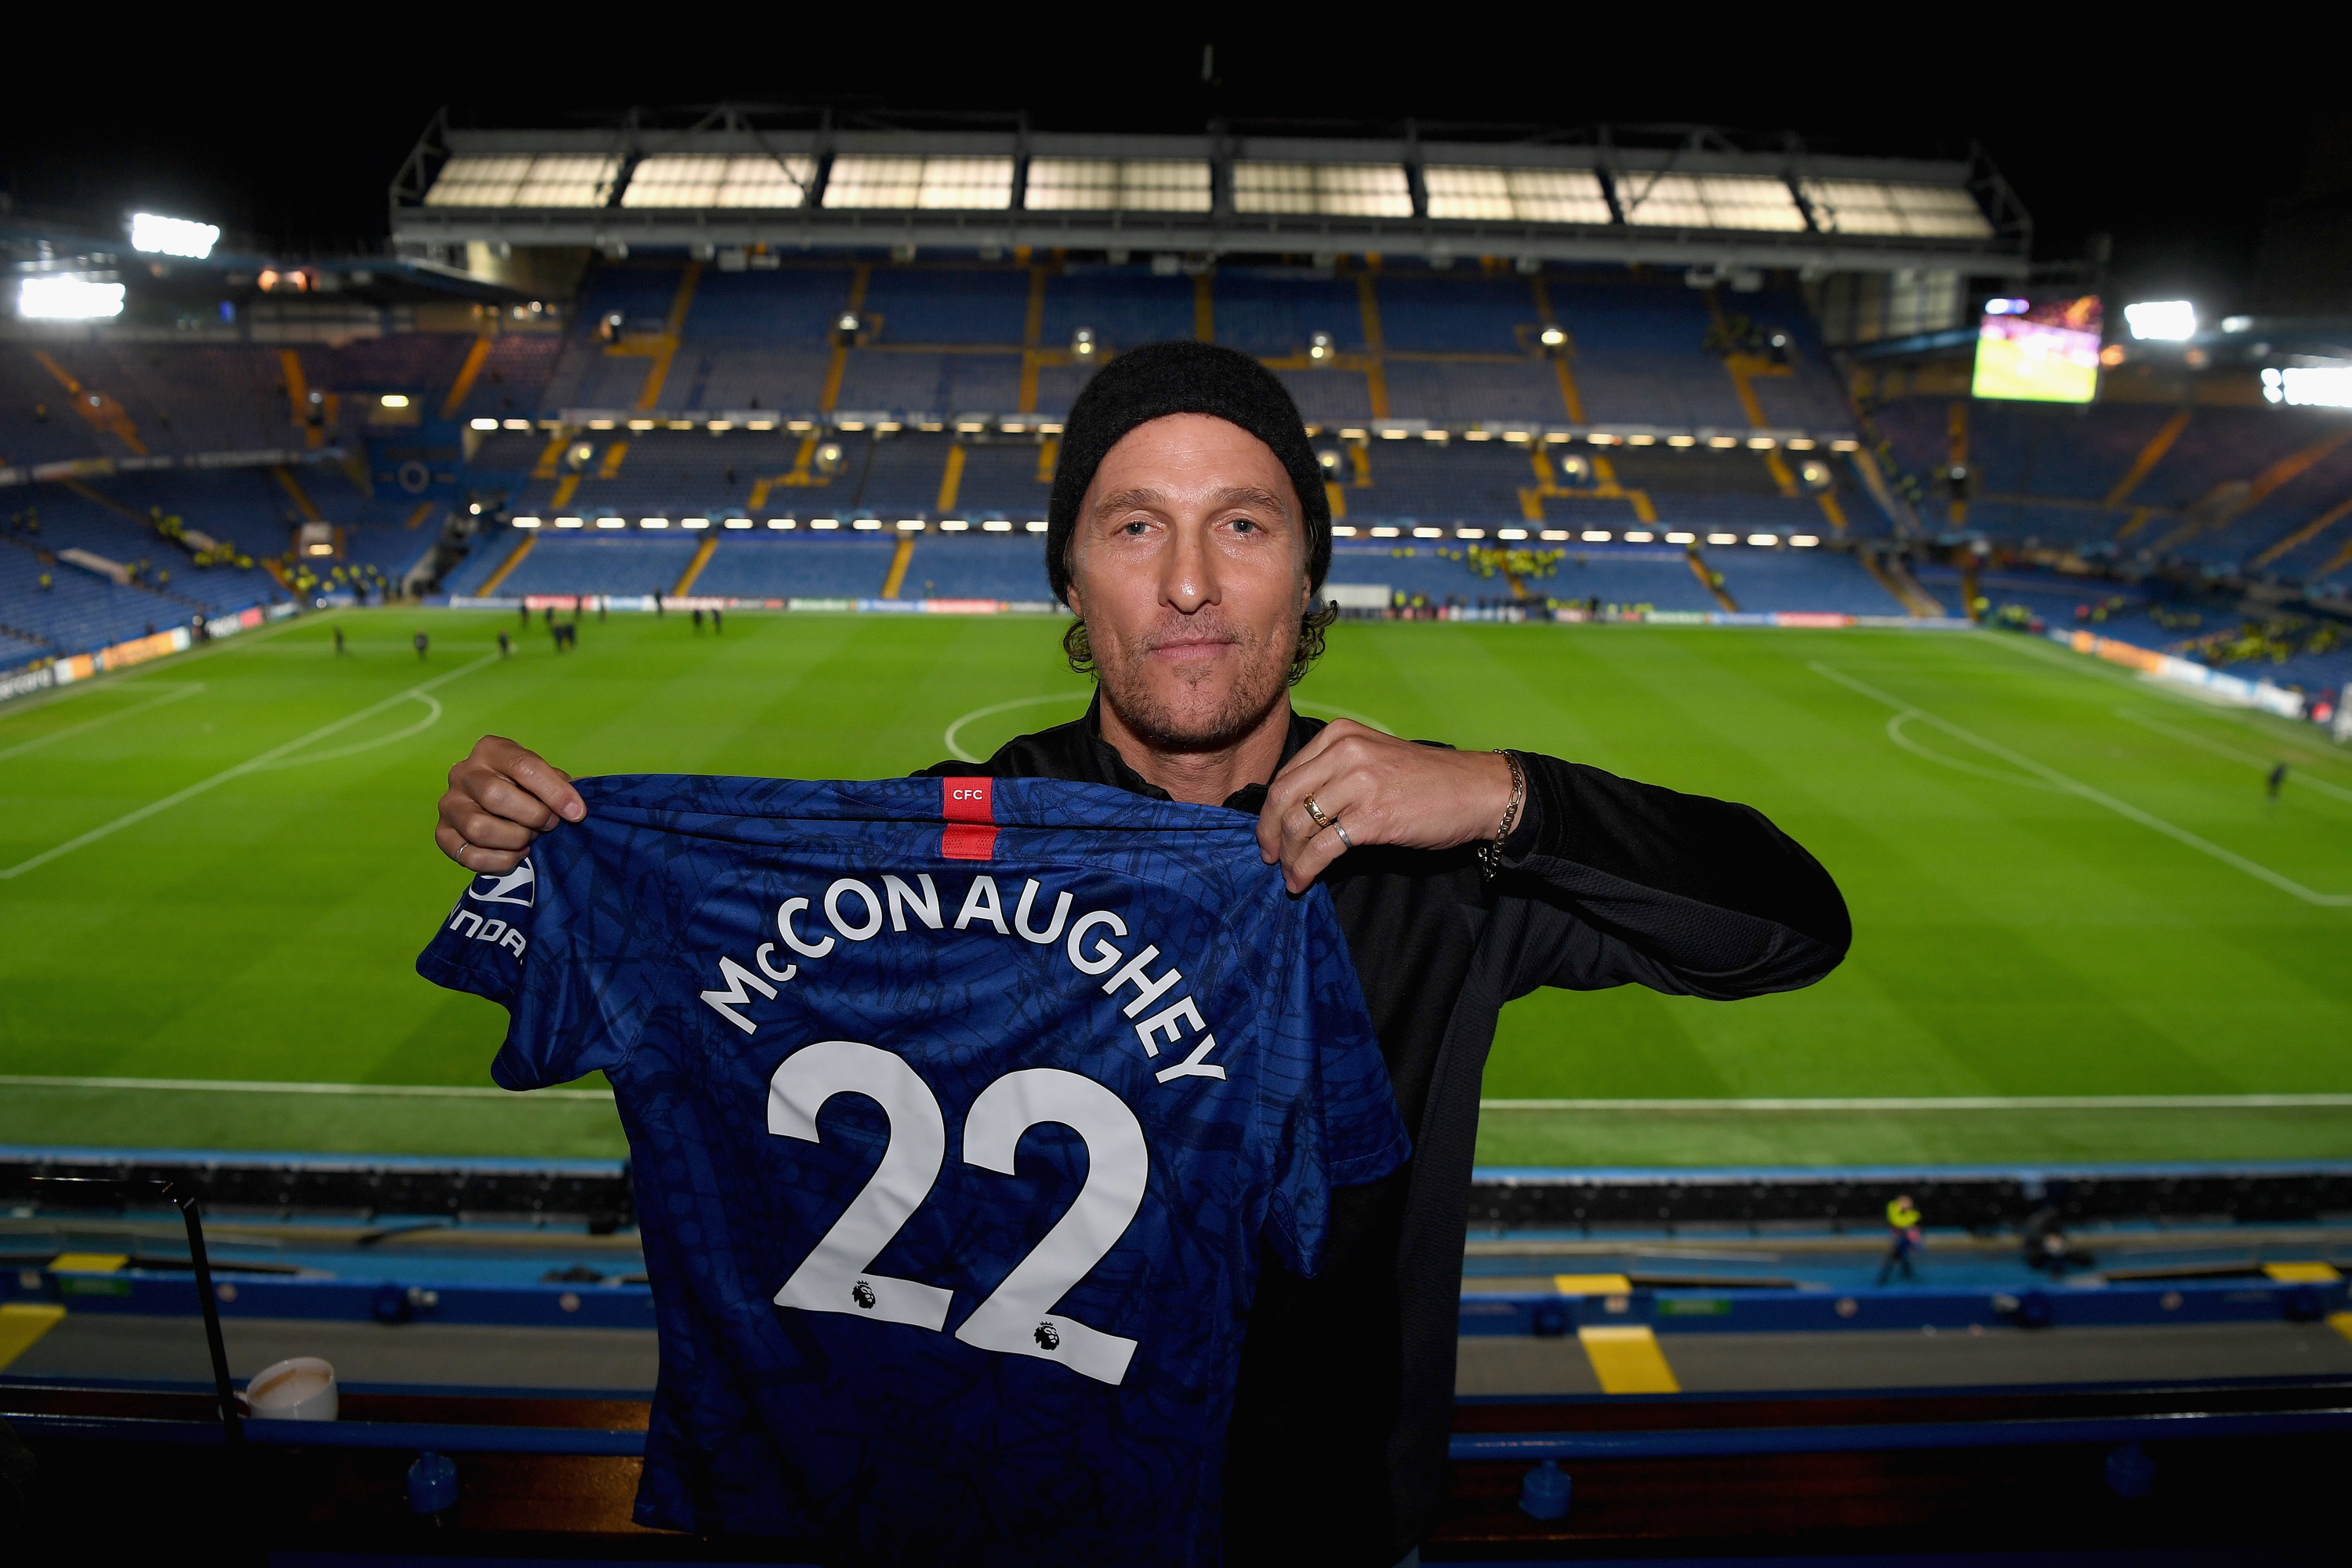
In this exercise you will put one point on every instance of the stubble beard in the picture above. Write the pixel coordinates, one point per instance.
(1263, 671)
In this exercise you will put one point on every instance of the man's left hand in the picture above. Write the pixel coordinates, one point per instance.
(1381, 790)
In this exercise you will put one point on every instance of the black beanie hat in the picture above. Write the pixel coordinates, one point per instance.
(1182, 377)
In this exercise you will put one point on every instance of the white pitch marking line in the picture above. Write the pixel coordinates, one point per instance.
(251, 764)
(957, 752)
(2229, 857)
(2299, 776)
(38, 741)
(1956, 1102)
(239, 1086)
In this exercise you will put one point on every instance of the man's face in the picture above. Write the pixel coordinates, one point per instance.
(1189, 565)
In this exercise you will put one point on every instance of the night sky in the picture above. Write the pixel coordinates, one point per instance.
(300, 161)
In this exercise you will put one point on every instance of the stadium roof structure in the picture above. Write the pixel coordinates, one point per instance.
(1692, 198)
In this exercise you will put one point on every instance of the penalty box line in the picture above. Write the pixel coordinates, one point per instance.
(2125, 809)
(251, 764)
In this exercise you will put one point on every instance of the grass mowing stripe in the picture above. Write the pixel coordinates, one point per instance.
(2229, 857)
(174, 692)
(245, 1085)
(251, 764)
(2302, 779)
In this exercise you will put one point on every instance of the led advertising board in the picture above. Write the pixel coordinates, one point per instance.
(2043, 350)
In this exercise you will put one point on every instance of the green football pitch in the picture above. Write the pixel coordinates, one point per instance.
(2081, 932)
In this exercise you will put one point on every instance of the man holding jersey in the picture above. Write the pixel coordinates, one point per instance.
(1190, 534)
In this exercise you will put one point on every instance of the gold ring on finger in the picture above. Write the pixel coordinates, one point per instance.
(1315, 811)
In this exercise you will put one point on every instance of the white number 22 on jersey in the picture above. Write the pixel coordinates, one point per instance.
(1018, 1318)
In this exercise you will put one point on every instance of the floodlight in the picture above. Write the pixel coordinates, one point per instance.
(1595, 536)
(1576, 469)
(1510, 534)
(738, 522)
(612, 522)
(1385, 532)
(476, 509)
(1639, 536)
(1678, 537)
(1429, 533)
(1036, 525)
(1553, 337)
(1328, 459)
(1681, 440)
(526, 523)
(1318, 346)
(653, 522)
(2310, 387)
(2007, 306)
(1804, 541)
(395, 400)
(2237, 323)
(1555, 534)
(2161, 320)
(1763, 539)
(783, 523)
(868, 524)
(1469, 534)
(911, 525)
(1082, 342)
(693, 522)
(58, 297)
(171, 236)
(997, 525)
(827, 523)
(845, 323)
(1723, 539)
(570, 522)
(514, 424)
(484, 424)
(955, 525)
(1813, 474)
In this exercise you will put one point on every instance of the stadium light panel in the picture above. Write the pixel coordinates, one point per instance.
(1763, 539)
(719, 425)
(1722, 441)
(681, 424)
(1555, 534)
(738, 523)
(1553, 337)
(1723, 539)
(2161, 320)
(612, 522)
(172, 236)
(2309, 386)
(1326, 190)
(570, 522)
(911, 525)
(758, 425)
(2237, 323)
(638, 425)
(955, 525)
(1708, 201)
(781, 523)
(1846, 446)
(1638, 440)
(526, 523)
(824, 523)
(719, 180)
(1036, 525)
(1678, 537)
(56, 297)
(1521, 196)
(653, 522)
(1762, 443)
(1804, 541)
(1510, 534)
(1639, 536)
(514, 424)
(1469, 534)
(483, 424)
(1682, 440)
(1883, 207)
(893, 179)
(1595, 536)
(997, 525)
(393, 400)
(508, 180)
(867, 524)
(1343, 531)
(693, 522)
(1429, 533)
(1800, 443)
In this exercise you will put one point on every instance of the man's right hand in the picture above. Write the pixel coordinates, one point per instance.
(500, 798)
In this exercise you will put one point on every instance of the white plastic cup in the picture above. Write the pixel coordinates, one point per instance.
(299, 1389)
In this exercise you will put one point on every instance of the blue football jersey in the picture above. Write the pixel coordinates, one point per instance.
(958, 1109)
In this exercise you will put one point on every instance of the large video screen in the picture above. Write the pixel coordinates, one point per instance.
(2045, 350)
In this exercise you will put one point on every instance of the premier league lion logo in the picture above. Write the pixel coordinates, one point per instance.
(863, 1294)
(1048, 1336)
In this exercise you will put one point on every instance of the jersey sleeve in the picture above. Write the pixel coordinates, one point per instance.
(1340, 1126)
(529, 940)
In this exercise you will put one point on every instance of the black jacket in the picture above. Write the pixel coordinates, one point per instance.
(1336, 1451)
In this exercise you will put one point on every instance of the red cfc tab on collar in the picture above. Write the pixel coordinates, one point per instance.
(967, 801)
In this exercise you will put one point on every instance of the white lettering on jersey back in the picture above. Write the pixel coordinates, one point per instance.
(982, 904)
(902, 898)
(733, 996)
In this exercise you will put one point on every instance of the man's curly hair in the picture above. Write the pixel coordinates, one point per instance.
(1311, 626)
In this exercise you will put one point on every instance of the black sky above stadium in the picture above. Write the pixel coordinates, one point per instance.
(299, 156)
